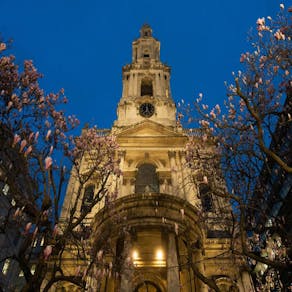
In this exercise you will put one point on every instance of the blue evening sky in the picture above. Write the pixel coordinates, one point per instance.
(81, 46)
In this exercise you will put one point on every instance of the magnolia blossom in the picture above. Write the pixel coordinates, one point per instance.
(213, 115)
(176, 228)
(28, 150)
(217, 107)
(51, 149)
(55, 230)
(205, 180)
(279, 35)
(182, 211)
(36, 136)
(9, 105)
(48, 162)
(17, 212)
(27, 227)
(22, 145)
(47, 252)
(30, 136)
(242, 58)
(204, 123)
(48, 135)
(2, 47)
(99, 255)
(16, 139)
(261, 21)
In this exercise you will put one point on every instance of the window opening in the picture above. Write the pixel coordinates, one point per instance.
(88, 197)
(146, 87)
(146, 179)
(206, 197)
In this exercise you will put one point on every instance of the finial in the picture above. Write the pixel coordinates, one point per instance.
(146, 31)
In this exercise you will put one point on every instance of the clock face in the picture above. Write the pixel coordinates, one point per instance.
(146, 110)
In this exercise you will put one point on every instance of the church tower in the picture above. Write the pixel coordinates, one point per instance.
(155, 225)
(146, 85)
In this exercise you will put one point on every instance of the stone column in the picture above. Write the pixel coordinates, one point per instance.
(173, 168)
(122, 154)
(173, 284)
(127, 270)
(245, 283)
(135, 84)
(157, 87)
(131, 85)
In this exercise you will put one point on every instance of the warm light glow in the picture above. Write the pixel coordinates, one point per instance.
(135, 255)
(159, 254)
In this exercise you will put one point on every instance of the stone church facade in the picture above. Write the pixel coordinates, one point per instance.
(155, 224)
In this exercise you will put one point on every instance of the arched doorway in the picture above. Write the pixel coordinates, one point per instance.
(146, 179)
(147, 286)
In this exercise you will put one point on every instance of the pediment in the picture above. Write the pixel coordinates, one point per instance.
(148, 129)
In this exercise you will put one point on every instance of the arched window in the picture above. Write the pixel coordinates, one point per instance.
(146, 87)
(87, 197)
(146, 179)
(206, 197)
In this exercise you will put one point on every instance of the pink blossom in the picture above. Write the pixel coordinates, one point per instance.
(279, 35)
(16, 139)
(263, 59)
(30, 136)
(27, 227)
(261, 21)
(35, 232)
(22, 145)
(2, 47)
(204, 123)
(51, 149)
(242, 58)
(47, 251)
(213, 115)
(205, 180)
(17, 212)
(48, 135)
(99, 255)
(48, 162)
(36, 136)
(9, 105)
(28, 150)
(56, 230)
(182, 211)
(217, 107)
(176, 228)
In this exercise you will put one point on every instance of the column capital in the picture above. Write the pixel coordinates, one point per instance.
(171, 153)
